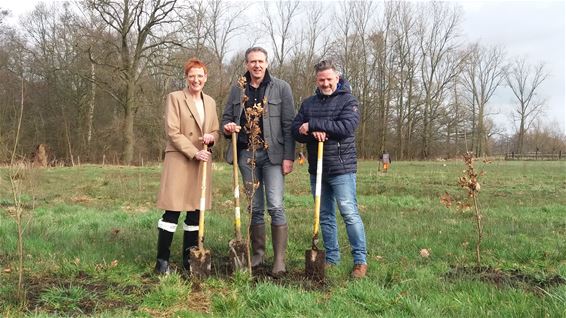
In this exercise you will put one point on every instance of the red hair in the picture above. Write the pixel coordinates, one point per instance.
(194, 63)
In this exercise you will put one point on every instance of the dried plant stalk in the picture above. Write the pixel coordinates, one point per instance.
(469, 181)
(254, 115)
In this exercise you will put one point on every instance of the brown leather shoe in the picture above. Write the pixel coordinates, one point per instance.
(359, 271)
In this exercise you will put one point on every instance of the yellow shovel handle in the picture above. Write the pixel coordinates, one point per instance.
(318, 189)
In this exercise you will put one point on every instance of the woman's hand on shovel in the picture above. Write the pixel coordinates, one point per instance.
(203, 155)
(208, 139)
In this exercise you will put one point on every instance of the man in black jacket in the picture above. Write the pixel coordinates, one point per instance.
(332, 116)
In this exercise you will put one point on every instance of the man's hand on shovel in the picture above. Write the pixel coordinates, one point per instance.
(229, 128)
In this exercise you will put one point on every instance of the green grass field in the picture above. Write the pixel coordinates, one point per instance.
(90, 244)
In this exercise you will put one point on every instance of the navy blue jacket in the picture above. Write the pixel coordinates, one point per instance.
(337, 115)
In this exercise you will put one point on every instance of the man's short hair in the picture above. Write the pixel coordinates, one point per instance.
(256, 49)
(324, 65)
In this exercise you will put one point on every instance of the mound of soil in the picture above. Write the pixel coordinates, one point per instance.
(513, 278)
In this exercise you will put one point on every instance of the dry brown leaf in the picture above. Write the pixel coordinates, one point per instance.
(446, 200)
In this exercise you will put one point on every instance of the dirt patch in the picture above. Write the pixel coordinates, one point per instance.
(513, 278)
(85, 294)
(96, 294)
(81, 198)
(223, 269)
(294, 278)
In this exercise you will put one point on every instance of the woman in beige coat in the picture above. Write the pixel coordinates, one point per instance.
(190, 123)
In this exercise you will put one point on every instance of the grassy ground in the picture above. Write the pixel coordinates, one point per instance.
(90, 243)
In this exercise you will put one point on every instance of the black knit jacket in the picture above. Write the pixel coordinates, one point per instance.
(337, 115)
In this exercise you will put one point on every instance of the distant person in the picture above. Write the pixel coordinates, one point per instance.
(274, 154)
(332, 116)
(191, 122)
(385, 161)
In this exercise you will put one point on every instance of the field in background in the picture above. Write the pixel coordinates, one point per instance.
(90, 244)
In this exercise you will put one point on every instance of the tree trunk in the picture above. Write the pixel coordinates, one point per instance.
(128, 135)
(521, 137)
(90, 115)
(480, 148)
(128, 125)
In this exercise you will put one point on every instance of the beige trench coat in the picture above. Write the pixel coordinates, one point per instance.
(180, 187)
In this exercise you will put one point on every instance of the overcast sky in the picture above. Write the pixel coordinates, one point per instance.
(531, 29)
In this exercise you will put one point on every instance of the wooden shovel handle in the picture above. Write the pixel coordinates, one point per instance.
(202, 206)
(237, 221)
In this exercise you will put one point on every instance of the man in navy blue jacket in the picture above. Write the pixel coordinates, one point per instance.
(332, 116)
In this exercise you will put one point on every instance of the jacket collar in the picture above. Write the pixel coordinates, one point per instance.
(343, 87)
(193, 109)
(266, 78)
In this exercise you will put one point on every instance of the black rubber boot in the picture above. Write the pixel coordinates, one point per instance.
(164, 240)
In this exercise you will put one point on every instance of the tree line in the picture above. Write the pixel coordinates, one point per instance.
(91, 74)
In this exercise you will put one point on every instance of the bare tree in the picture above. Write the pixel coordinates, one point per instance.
(53, 56)
(370, 75)
(224, 23)
(525, 81)
(195, 29)
(279, 28)
(482, 74)
(379, 81)
(312, 45)
(406, 53)
(439, 65)
(140, 29)
(360, 50)
(345, 37)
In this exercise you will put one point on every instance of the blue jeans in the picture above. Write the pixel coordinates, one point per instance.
(270, 190)
(341, 189)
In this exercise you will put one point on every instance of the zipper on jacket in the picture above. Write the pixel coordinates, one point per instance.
(340, 153)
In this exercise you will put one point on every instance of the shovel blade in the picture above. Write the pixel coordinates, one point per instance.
(238, 255)
(314, 264)
(201, 264)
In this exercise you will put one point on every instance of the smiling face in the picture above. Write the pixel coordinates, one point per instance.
(327, 81)
(256, 64)
(196, 78)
